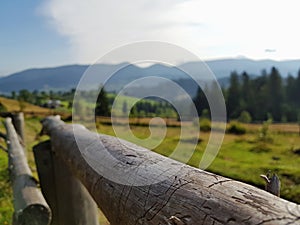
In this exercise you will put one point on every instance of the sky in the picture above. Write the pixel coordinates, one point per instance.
(46, 33)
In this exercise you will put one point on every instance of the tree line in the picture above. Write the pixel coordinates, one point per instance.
(259, 98)
(143, 108)
(248, 98)
(39, 97)
(151, 108)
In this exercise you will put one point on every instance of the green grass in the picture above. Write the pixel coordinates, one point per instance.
(241, 157)
(6, 206)
(237, 159)
(5, 191)
(14, 106)
(118, 105)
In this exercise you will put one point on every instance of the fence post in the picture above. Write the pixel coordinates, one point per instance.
(18, 122)
(68, 198)
(29, 204)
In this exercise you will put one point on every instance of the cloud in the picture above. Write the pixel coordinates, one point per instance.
(208, 28)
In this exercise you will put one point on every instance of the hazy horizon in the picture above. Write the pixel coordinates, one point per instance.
(83, 64)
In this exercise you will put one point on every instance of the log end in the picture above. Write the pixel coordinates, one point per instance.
(35, 214)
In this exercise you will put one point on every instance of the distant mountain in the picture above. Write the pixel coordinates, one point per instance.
(223, 68)
(67, 77)
(64, 77)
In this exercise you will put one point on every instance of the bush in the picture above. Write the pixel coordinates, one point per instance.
(264, 134)
(205, 125)
(205, 114)
(245, 117)
(236, 128)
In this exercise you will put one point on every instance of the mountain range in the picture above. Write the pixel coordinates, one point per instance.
(67, 77)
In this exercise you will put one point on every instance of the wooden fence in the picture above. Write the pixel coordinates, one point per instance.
(29, 204)
(187, 196)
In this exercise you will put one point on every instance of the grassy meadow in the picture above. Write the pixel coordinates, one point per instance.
(15, 106)
(241, 157)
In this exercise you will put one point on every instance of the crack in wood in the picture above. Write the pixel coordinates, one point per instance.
(203, 221)
(159, 206)
(252, 203)
(274, 219)
(231, 220)
(246, 220)
(173, 192)
(219, 182)
(127, 196)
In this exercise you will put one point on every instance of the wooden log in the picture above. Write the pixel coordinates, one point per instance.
(29, 204)
(68, 198)
(45, 169)
(19, 124)
(187, 196)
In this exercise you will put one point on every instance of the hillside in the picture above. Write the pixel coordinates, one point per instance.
(222, 68)
(14, 106)
(67, 77)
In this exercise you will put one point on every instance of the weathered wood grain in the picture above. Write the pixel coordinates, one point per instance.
(190, 196)
(19, 124)
(69, 200)
(29, 204)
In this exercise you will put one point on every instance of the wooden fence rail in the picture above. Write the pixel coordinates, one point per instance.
(187, 196)
(69, 200)
(29, 204)
(18, 122)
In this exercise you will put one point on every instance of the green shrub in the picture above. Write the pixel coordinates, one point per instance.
(245, 117)
(264, 134)
(205, 114)
(205, 125)
(236, 128)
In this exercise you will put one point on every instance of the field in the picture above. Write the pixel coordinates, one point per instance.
(241, 157)
(12, 105)
(15, 106)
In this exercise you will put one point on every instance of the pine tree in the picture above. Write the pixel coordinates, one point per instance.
(275, 98)
(200, 100)
(102, 105)
(233, 97)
